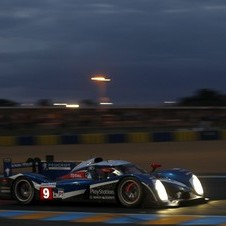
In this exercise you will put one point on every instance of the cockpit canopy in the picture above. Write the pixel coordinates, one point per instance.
(97, 169)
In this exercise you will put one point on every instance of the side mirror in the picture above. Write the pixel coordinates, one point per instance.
(154, 166)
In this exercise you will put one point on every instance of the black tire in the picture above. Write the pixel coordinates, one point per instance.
(130, 192)
(23, 190)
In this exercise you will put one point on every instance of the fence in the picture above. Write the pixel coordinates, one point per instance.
(100, 138)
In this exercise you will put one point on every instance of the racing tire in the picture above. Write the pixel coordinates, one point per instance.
(23, 190)
(130, 192)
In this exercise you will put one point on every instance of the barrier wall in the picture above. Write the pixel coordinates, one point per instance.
(141, 137)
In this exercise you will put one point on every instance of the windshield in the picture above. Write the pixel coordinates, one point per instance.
(129, 169)
(98, 172)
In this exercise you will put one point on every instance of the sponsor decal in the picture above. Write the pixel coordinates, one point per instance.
(7, 172)
(79, 174)
(22, 165)
(59, 194)
(56, 166)
(101, 193)
(49, 185)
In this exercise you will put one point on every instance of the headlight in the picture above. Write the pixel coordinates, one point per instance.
(159, 187)
(196, 184)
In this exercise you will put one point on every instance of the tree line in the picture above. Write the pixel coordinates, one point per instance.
(204, 97)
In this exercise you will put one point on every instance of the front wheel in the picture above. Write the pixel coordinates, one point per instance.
(23, 190)
(130, 192)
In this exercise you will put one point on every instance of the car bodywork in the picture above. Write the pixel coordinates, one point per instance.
(99, 180)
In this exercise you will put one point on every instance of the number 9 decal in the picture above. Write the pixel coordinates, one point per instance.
(46, 193)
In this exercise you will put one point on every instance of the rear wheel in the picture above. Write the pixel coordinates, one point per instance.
(23, 190)
(130, 192)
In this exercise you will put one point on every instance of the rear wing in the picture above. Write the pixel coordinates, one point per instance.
(8, 166)
(49, 168)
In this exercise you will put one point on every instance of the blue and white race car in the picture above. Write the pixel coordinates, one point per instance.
(99, 180)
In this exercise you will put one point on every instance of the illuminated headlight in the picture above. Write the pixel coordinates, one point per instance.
(196, 184)
(159, 187)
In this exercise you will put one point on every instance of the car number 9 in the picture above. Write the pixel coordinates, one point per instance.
(46, 193)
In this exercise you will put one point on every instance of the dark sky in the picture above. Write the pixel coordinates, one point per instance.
(153, 50)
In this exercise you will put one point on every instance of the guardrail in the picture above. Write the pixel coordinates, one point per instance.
(100, 138)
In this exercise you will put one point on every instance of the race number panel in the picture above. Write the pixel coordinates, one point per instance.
(46, 193)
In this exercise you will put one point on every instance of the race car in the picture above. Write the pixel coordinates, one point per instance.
(99, 180)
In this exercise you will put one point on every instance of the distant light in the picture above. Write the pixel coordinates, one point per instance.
(27, 105)
(106, 103)
(60, 104)
(67, 105)
(101, 79)
(72, 106)
(169, 102)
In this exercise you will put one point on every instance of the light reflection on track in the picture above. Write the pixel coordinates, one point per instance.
(212, 213)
